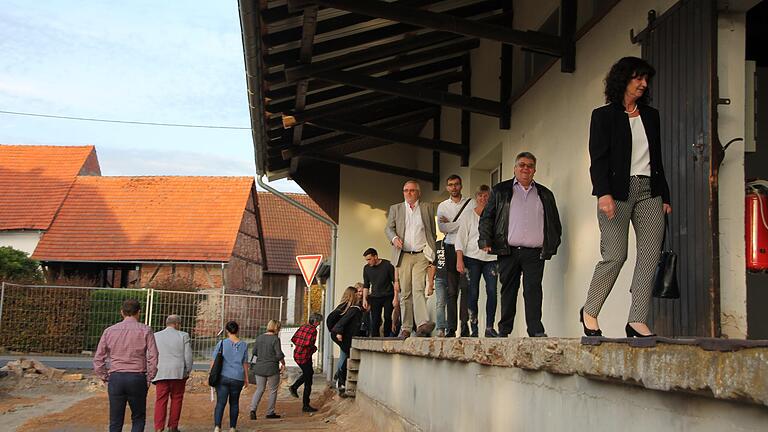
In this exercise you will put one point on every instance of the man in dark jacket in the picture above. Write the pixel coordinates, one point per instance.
(521, 225)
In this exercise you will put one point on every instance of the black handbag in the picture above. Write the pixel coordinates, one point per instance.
(665, 282)
(214, 375)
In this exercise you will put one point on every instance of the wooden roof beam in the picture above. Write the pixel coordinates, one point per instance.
(388, 135)
(414, 91)
(370, 165)
(537, 41)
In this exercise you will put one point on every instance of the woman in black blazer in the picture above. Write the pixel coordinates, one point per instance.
(628, 180)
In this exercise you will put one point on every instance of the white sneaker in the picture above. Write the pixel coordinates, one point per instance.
(216, 429)
(232, 430)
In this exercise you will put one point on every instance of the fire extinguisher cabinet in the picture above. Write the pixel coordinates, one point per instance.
(757, 232)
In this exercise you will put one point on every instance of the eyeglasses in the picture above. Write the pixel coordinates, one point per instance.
(410, 190)
(525, 165)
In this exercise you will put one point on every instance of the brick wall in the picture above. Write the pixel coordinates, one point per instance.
(201, 275)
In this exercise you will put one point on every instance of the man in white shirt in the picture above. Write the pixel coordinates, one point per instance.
(411, 230)
(448, 213)
(469, 257)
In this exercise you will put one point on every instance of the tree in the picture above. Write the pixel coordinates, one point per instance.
(15, 265)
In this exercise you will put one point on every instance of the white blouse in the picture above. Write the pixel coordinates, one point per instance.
(641, 158)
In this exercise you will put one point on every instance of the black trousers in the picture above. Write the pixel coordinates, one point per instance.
(528, 263)
(306, 378)
(379, 305)
(455, 286)
(131, 388)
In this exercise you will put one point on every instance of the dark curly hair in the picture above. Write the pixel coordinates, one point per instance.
(621, 73)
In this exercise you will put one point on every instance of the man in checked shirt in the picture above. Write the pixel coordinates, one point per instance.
(304, 346)
(130, 348)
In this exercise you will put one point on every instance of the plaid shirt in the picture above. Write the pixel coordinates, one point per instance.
(304, 342)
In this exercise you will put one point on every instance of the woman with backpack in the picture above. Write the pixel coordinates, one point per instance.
(344, 324)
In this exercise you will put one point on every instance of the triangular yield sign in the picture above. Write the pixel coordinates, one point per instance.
(308, 265)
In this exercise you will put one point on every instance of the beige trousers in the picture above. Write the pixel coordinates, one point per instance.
(412, 274)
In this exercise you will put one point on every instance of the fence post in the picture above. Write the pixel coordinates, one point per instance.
(223, 297)
(280, 320)
(150, 304)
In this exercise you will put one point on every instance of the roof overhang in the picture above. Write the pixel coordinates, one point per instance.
(329, 78)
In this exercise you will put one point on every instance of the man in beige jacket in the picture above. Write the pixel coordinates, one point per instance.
(411, 230)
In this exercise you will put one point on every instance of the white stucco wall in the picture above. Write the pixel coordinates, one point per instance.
(731, 122)
(552, 121)
(443, 395)
(22, 240)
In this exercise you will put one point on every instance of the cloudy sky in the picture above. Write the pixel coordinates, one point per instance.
(164, 61)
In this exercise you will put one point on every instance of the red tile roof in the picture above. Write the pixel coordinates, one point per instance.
(148, 219)
(289, 231)
(34, 180)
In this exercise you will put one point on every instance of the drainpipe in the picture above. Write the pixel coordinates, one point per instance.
(327, 346)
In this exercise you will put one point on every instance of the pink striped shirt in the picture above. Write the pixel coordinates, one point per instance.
(130, 347)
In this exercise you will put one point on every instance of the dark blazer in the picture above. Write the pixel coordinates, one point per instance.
(494, 222)
(610, 151)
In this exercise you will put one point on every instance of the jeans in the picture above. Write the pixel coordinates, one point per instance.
(486, 269)
(172, 389)
(306, 378)
(131, 388)
(379, 305)
(441, 301)
(261, 385)
(341, 369)
(227, 388)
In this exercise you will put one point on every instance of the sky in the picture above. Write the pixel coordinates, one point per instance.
(163, 61)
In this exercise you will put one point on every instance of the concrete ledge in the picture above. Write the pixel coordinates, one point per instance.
(740, 375)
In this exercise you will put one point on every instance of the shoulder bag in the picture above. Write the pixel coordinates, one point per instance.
(442, 242)
(665, 284)
(214, 375)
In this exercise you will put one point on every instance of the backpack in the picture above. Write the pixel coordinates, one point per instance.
(333, 317)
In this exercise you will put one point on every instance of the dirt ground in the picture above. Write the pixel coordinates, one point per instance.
(40, 404)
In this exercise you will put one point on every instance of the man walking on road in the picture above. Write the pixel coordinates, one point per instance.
(129, 346)
(173, 369)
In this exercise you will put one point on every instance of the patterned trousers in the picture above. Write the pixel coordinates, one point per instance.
(647, 217)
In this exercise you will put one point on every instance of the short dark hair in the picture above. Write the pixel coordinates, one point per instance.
(232, 327)
(370, 251)
(130, 307)
(621, 73)
(453, 177)
(527, 155)
(315, 318)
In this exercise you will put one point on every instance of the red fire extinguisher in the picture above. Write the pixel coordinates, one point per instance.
(756, 207)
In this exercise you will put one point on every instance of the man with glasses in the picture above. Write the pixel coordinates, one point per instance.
(448, 214)
(521, 225)
(411, 230)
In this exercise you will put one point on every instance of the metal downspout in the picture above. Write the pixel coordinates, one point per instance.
(327, 345)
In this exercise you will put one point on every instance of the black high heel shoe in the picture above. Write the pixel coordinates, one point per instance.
(588, 331)
(631, 332)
